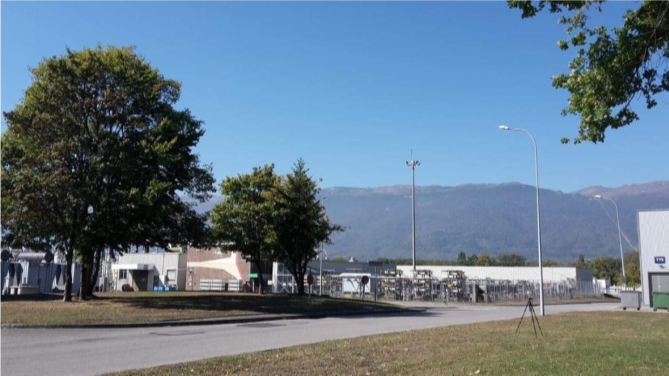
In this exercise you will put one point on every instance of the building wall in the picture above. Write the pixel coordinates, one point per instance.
(41, 275)
(511, 273)
(200, 255)
(653, 241)
(168, 267)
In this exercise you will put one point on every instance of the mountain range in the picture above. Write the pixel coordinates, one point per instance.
(492, 218)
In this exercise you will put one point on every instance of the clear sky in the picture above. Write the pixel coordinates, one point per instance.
(353, 87)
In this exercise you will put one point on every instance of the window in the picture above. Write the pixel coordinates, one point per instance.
(171, 276)
(122, 274)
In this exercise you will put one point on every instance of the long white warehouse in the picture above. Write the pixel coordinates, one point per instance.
(507, 273)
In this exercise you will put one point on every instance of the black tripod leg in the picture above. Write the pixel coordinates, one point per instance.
(532, 314)
(537, 318)
(521, 317)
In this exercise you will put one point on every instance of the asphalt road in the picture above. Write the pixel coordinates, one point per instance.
(94, 351)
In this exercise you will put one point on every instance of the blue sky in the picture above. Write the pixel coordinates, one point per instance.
(353, 87)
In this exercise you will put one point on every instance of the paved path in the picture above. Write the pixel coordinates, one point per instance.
(93, 351)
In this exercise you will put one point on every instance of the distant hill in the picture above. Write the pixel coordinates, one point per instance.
(484, 218)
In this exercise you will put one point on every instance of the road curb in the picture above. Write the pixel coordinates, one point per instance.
(216, 321)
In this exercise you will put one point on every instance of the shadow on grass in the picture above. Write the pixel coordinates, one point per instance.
(32, 298)
(261, 304)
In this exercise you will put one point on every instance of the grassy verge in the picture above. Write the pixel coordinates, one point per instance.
(118, 308)
(595, 343)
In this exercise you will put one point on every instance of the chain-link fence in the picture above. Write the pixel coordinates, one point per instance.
(459, 289)
(507, 291)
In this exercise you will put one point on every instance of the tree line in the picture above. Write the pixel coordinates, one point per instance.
(95, 157)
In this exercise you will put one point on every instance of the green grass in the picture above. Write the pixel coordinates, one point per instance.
(133, 307)
(595, 343)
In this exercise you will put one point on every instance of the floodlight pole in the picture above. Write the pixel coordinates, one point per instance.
(320, 271)
(623, 278)
(536, 170)
(413, 164)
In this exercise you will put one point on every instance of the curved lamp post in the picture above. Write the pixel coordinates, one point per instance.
(620, 238)
(536, 170)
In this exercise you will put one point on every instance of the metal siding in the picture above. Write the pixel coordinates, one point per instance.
(653, 241)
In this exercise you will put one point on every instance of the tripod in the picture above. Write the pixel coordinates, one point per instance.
(534, 317)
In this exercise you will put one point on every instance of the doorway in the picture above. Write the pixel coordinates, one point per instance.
(140, 280)
(657, 282)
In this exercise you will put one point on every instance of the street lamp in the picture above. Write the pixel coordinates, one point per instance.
(620, 237)
(320, 272)
(413, 164)
(536, 168)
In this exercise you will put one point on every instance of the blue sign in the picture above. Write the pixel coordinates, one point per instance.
(190, 270)
(660, 260)
(375, 263)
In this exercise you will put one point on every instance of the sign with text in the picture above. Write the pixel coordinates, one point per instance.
(660, 260)
(310, 279)
(375, 263)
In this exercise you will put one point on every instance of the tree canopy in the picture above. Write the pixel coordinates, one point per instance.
(245, 219)
(613, 66)
(301, 224)
(95, 155)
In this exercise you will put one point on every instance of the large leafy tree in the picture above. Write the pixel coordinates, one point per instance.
(245, 219)
(612, 67)
(95, 155)
(606, 267)
(300, 223)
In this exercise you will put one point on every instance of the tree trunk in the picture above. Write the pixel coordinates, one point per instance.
(96, 272)
(259, 277)
(69, 253)
(84, 282)
(300, 282)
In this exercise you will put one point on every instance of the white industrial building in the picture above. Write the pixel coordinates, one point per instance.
(509, 273)
(146, 271)
(32, 273)
(653, 252)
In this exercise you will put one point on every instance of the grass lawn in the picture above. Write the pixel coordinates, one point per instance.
(132, 307)
(595, 343)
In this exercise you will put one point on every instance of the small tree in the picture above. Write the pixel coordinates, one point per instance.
(633, 268)
(300, 223)
(462, 258)
(246, 217)
(485, 259)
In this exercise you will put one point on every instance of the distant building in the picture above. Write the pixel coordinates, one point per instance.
(283, 281)
(509, 273)
(215, 269)
(29, 273)
(144, 271)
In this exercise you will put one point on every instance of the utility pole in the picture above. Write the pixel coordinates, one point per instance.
(413, 164)
(320, 270)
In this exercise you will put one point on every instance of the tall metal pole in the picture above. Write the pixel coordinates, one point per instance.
(620, 240)
(413, 164)
(413, 216)
(536, 170)
(320, 272)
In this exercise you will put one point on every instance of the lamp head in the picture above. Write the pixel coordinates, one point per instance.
(598, 197)
(504, 127)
